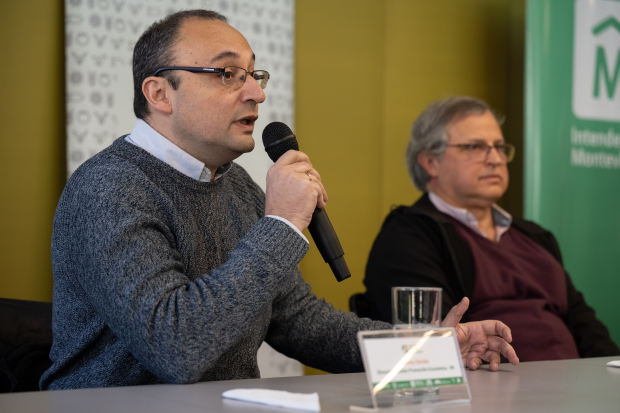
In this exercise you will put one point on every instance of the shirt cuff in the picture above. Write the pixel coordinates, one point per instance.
(287, 222)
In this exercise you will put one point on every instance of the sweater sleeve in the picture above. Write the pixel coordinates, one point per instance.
(313, 332)
(408, 252)
(123, 254)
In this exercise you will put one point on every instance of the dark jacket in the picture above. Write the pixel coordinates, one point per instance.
(419, 246)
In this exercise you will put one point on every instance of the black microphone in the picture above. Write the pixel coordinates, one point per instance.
(278, 139)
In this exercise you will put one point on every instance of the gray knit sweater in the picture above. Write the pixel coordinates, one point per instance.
(161, 278)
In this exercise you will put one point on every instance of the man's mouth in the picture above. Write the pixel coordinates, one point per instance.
(248, 121)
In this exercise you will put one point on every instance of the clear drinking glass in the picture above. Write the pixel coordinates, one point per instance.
(416, 307)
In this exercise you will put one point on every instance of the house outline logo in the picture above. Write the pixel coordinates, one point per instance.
(596, 60)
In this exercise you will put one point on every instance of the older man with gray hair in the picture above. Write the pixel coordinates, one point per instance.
(456, 237)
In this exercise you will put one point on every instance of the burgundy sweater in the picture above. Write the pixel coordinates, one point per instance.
(521, 284)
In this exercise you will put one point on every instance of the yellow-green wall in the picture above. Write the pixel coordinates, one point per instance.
(32, 143)
(364, 70)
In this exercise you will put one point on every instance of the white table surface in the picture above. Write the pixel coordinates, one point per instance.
(585, 385)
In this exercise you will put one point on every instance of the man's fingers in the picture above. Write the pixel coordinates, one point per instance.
(456, 313)
(316, 177)
(306, 168)
(494, 361)
(321, 195)
(473, 362)
(291, 156)
(294, 189)
(304, 171)
(496, 328)
(294, 169)
(499, 345)
(314, 173)
(300, 163)
(301, 167)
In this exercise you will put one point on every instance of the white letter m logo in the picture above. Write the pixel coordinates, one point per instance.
(596, 60)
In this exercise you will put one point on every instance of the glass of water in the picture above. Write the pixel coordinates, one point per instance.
(416, 307)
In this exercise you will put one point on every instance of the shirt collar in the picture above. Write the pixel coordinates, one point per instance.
(501, 218)
(147, 138)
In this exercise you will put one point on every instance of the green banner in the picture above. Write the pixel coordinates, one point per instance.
(572, 163)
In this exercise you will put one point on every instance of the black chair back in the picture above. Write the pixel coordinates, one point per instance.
(359, 305)
(25, 343)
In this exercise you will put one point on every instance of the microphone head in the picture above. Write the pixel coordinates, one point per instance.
(278, 139)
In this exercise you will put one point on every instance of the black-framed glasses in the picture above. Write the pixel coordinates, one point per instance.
(480, 151)
(231, 75)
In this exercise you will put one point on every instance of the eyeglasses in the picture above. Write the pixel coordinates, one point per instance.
(231, 75)
(480, 151)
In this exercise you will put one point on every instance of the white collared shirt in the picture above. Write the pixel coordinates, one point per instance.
(147, 138)
(501, 218)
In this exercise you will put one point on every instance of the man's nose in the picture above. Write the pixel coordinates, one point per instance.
(252, 91)
(494, 156)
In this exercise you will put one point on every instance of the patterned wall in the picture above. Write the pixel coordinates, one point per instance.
(100, 36)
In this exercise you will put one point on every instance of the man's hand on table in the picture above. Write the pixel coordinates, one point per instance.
(480, 340)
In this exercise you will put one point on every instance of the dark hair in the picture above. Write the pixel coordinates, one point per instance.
(154, 50)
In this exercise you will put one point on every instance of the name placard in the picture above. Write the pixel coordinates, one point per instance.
(414, 362)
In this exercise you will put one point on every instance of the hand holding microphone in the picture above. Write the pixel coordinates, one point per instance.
(294, 189)
(295, 192)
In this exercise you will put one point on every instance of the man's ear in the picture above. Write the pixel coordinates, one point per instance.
(428, 162)
(157, 91)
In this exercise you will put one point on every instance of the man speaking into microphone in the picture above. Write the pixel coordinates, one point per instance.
(170, 264)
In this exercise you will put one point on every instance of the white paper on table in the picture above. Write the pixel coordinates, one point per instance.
(614, 363)
(299, 401)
